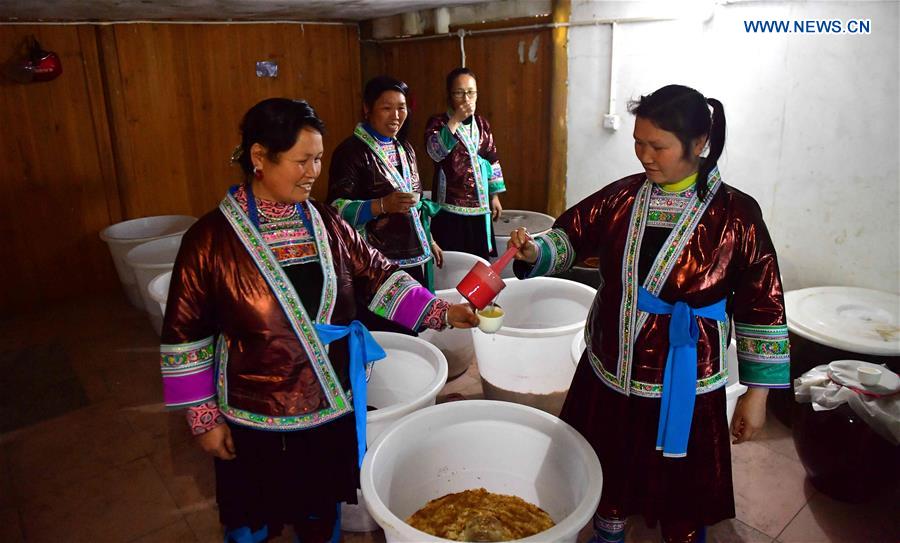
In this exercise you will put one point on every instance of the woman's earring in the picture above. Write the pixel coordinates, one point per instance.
(257, 172)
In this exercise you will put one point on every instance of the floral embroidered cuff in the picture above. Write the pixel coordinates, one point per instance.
(436, 315)
(203, 418)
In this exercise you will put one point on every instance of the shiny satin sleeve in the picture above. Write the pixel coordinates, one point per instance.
(366, 263)
(583, 224)
(488, 147)
(759, 319)
(574, 237)
(347, 176)
(189, 327)
(411, 157)
(347, 182)
(439, 141)
(391, 292)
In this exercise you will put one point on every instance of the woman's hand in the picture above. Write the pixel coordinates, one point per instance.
(460, 114)
(749, 414)
(462, 316)
(527, 250)
(496, 208)
(438, 254)
(397, 202)
(218, 442)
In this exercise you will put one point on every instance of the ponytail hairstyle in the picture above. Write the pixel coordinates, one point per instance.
(686, 113)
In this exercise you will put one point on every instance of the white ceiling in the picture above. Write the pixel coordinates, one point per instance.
(212, 10)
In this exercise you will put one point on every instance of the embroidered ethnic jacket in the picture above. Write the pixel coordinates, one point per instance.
(359, 175)
(467, 169)
(718, 248)
(236, 331)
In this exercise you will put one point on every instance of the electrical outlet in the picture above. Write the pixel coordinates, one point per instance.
(611, 122)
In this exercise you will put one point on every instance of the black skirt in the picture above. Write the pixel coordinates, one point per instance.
(637, 479)
(463, 233)
(281, 478)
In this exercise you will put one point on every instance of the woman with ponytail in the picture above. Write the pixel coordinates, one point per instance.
(683, 256)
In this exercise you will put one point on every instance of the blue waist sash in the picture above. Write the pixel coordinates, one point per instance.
(676, 409)
(363, 349)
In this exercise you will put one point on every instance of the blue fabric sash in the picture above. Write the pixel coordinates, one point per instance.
(676, 409)
(244, 535)
(363, 349)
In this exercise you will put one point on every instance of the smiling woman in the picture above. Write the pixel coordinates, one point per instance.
(683, 256)
(374, 181)
(260, 285)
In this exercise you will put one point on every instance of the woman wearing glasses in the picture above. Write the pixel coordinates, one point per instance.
(467, 173)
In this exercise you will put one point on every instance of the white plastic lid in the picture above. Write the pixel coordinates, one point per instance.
(857, 320)
(510, 219)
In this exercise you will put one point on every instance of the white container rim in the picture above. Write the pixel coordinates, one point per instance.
(435, 386)
(105, 233)
(155, 290)
(572, 524)
(511, 331)
(135, 255)
(804, 330)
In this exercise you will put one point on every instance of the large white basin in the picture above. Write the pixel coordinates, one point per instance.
(407, 380)
(503, 447)
(733, 390)
(455, 344)
(148, 260)
(528, 360)
(123, 236)
(159, 290)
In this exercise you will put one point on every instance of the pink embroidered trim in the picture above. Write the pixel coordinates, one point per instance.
(267, 208)
(204, 417)
(436, 315)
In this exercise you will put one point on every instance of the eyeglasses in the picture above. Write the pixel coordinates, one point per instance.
(461, 93)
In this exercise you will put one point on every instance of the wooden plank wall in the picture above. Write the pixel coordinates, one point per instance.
(142, 122)
(55, 175)
(514, 77)
(179, 91)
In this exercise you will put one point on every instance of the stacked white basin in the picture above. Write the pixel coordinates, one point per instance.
(159, 290)
(148, 260)
(123, 236)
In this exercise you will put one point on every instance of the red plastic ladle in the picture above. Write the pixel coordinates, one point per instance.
(483, 283)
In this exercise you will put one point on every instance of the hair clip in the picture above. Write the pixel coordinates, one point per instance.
(236, 154)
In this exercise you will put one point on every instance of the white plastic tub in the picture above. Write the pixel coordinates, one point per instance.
(159, 290)
(149, 260)
(502, 447)
(123, 236)
(733, 390)
(510, 219)
(407, 380)
(455, 344)
(528, 360)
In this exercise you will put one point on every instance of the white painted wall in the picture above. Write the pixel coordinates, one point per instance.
(812, 121)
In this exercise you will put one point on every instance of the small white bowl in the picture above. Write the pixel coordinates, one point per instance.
(490, 325)
(868, 376)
